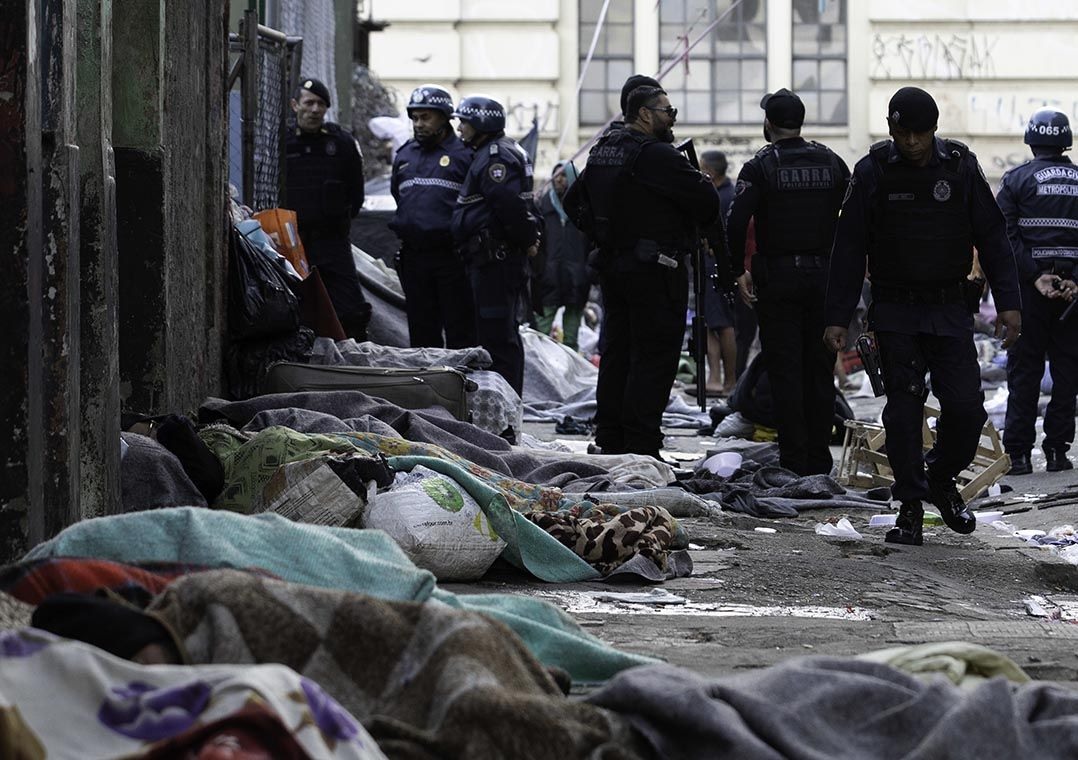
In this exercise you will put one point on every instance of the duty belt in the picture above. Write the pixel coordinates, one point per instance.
(795, 261)
(919, 294)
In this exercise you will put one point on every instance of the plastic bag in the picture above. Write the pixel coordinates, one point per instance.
(437, 523)
(840, 529)
(261, 303)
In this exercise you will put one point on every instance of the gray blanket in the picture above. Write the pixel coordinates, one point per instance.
(824, 708)
(368, 354)
(341, 411)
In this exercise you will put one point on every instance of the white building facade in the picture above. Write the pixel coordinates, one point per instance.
(989, 63)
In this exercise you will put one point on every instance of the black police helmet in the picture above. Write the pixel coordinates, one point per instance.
(1048, 127)
(484, 114)
(430, 96)
(314, 87)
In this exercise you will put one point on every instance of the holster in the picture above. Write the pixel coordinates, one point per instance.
(973, 292)
(484, 248)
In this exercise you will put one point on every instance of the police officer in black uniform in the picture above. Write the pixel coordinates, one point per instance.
(917, 205)
(1039, 200)
(325, 188)
(642, 203)
(496, 230)
(428, 173)
(794, 189)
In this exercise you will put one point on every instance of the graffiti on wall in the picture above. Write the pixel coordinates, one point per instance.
(519, 115)
(933, 56)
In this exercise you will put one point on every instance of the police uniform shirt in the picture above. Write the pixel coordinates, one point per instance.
(496, 196)
(1039, 200)
(751, 191)
(425, 183)
(324, 179)
(849, 255)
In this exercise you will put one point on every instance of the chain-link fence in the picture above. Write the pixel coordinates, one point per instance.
(266, 67)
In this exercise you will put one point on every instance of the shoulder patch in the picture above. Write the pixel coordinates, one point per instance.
(741, 186)
(497, 172)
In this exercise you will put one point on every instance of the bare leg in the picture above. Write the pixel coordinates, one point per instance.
(728, 349)
(714, 361)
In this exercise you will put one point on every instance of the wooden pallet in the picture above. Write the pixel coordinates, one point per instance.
(864, 464)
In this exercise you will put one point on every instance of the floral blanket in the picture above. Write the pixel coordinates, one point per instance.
(62, 698)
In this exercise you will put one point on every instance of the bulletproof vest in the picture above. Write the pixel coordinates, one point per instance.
(802, 201)
(1049, 217)
(920, 231)
(606, 177)
(316, 186)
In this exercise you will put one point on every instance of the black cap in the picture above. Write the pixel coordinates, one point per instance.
(636, 80)
(914, 109)
(315, 87)
(783, 109)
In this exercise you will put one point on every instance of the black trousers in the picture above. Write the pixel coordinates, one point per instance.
(799, 367)
(439, 297)
(498, 287)
(1042, 335)
(956, 382)
(644, 327)
(333, 257)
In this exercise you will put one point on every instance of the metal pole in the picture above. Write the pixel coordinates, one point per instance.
(249, 98)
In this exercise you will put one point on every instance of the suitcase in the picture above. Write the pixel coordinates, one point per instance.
(407, 388)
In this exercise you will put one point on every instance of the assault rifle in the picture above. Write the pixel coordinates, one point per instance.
(722, 282)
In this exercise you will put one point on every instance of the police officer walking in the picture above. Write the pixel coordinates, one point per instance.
(643, 204)
(496, 230)
(428, 173)
(794, 189)
(324, 186)
(917, 205)
(1039, 200)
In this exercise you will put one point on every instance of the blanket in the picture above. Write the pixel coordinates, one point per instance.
(365, 561)
(249, 461)
(353, 411)
(826, 708)
(33, 580)
(426, 680)
(66, 699)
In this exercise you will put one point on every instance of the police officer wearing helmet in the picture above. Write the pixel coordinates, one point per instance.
(1039, 200)
(428, 173)
(916, 207)
(794, 189)
(324, 186)
(497, 232)
(642, 203)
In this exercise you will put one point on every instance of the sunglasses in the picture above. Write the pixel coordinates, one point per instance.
(668, 110)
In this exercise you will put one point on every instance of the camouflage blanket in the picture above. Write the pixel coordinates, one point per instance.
(425, 679)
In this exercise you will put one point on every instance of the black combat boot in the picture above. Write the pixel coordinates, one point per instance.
(907, 528)
(956, 515)
(1057, 460)
(1020, 464)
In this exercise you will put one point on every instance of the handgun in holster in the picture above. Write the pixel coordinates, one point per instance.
(972, 292)
(869, 351)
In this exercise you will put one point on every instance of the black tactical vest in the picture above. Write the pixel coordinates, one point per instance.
(920, 229)
(1048, 224)
(802, 200)
(606, 177)
(317, 189)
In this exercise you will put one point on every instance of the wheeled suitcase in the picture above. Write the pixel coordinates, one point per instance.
(407, 388)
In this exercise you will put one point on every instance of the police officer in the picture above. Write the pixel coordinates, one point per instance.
(917, 205)
(1039, 200)
(794, 189)
(427, 176)
(496, 230)
(325, 188)
(642, 203)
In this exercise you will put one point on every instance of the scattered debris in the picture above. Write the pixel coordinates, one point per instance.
(840, 529)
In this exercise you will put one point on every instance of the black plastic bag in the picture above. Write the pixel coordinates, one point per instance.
(261, 304)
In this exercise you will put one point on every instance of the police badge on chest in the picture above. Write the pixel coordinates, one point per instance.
(942, 191)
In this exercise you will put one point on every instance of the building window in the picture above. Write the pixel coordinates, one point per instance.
(819, 59)
(612, 62)
(724, 77)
